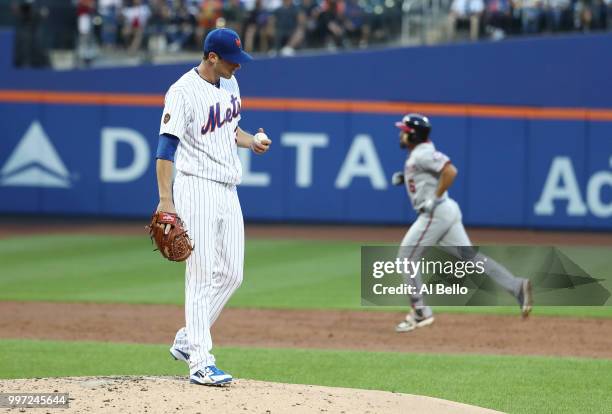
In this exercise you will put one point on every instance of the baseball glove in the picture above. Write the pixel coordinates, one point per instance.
(170, 237)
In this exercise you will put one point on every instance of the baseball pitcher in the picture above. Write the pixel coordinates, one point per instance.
(199, 133)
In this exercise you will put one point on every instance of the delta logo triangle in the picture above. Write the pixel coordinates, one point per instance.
(35, 163)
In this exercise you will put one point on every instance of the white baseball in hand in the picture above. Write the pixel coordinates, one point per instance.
(261, 138)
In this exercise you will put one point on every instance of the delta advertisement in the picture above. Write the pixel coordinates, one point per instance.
(58, 159)
(532, 151)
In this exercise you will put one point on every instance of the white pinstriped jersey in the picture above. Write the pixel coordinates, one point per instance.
(205, 119)
(422, 171)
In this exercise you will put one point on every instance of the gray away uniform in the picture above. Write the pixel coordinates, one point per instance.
(441, 227)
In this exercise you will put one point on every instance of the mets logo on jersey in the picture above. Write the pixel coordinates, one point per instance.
(217, 120)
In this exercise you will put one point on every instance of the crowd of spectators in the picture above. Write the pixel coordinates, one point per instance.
(284, 26)
(161, 27)
(499, 18)
(266, 26)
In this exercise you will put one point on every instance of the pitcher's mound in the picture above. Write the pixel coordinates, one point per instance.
(173, 394)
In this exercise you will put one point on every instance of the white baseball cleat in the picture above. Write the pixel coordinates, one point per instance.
(413, 321)
(179, 355)
(525, 298)
(210, 375)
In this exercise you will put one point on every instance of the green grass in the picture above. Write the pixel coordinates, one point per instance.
(510, 384)
(278, 273)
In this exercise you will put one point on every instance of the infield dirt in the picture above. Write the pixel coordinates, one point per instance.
(321, 329)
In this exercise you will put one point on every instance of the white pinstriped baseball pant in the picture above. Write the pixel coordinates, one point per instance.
(213, 217)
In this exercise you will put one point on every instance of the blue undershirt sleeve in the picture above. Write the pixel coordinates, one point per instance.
(166, 147)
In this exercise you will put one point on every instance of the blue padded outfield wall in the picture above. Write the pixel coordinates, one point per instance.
(527, 122)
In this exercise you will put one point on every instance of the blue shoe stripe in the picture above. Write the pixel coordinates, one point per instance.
(215, 370)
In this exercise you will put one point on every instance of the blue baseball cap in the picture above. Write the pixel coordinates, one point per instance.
(226, 43)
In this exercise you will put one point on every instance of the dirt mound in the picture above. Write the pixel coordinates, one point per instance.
(171, 394)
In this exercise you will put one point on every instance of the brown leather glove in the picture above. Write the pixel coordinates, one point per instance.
(170, 237)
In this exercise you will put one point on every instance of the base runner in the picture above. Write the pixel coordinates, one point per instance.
(427, 176)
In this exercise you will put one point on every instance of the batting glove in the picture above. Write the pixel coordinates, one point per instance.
(430, 205)
(397, 178)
